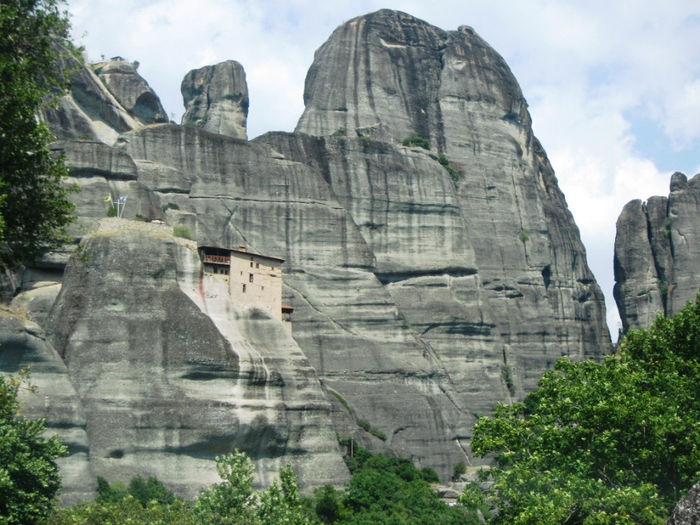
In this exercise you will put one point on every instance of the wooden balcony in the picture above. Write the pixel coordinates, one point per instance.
(217, 259)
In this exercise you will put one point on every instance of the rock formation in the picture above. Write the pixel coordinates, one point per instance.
(168, 372)
(24, 345)
(392, 76)
(216, 99)
(428, 284)
(101, 107)
(131, 90)
(657, 254)
(687, 510)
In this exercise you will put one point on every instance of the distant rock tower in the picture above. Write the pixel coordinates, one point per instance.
(216, 99)
(657, 254)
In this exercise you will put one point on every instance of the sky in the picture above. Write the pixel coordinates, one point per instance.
(613, 86)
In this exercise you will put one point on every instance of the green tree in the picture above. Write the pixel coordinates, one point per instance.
(151, 489)
(280, 503)
(392, 490)
(614, 442)
(233, 499)
(34, 208)
(29, 476)
(126, 510)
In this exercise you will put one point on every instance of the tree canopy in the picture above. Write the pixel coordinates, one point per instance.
(610, 442)
(29, 477)
(34, 208)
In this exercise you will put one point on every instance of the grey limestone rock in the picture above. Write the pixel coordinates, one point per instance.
(687, 510)
(171, 373)
(216, 99)
(397, 75)
(89, 111)
(101, 107)
(23, 345)
(427, 285)
(131, 90)
(657, 253)
(104, 172)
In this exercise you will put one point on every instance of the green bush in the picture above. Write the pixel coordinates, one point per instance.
(392, 490)
(126, 510)
(111, 211)
(524, 237)
(171, 206)
(429, 475)
(342, 401)
(417, 140)
(359, 457)
(367, 427)
(663, 287)
(455, 174)
(182, 231)
(459, 470)
(145, 491)
(328, 504)
(507, 377)
(110, 492)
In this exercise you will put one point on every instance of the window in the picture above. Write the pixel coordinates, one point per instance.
(244, 288)
(257, 265)
(251, 264)
(250, 278)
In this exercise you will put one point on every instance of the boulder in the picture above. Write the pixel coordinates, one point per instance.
(687, 510)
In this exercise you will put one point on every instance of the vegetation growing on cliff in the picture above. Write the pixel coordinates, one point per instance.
(615, 442)
(34, 208)
(416, 140)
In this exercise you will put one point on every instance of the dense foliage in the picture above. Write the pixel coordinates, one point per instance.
(615, 442)
(34, 208)
(386, 491)
(229, 502)
(382, 491)
(29, 476)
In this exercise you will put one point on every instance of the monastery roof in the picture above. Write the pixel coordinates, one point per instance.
(243, 252)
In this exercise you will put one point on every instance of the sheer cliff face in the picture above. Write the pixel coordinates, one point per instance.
(169, 372)
(390, 75)
(657, 254)
(423, 293)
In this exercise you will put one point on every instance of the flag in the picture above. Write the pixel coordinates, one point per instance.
(108, 198)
